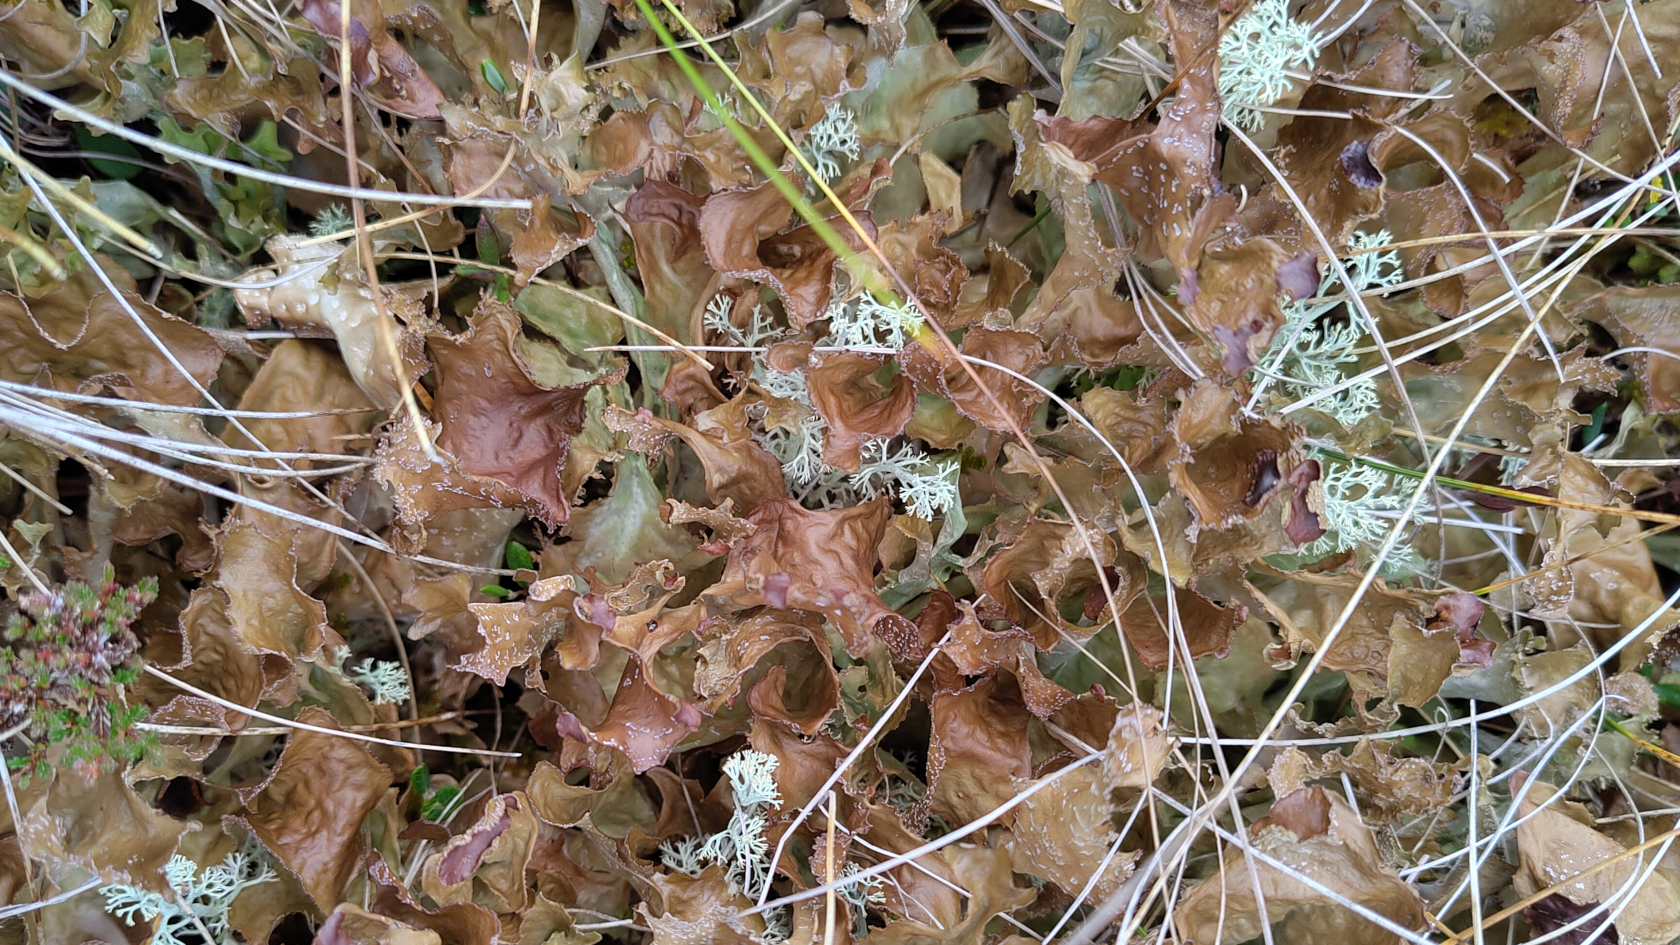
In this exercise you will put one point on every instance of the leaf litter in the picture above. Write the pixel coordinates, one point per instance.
(976, 472)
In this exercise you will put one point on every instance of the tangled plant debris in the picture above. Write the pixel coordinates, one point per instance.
(545, 472)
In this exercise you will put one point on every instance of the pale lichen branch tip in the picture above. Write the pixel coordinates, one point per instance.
(200, 896)
(1255, 56)
(832, 137)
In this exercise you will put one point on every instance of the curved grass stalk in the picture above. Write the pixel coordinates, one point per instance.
(66, 896)
(365, 227)
(1204, 817)
(1481, 227)
(281, 729)
(91, 446)
(1511, 100)
(146, 330)
(36, 491)
(931, 846)
(48, 182)
(1511, 820)
(1515, 495)
(865, 276)
(244, 170)
(1365, 912)
(1661, 842)
(340, 733)
(758, 19)
(149, 407)
(36, 251)
(390, 624)
(864, 743)
(364, 242)
(1345, 278)
(675, 345)
(1557, 280)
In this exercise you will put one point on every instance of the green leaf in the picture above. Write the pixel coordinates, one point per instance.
(266, 142)
(438, 803)
(189, 59)
(1597, 425)
(203, 138)
(421, 780)
(1667, 693)
(493, 76)
(574, 322)
(496, 590)
(519, 557)
(625, 529)
(86, 140)
(489, 249)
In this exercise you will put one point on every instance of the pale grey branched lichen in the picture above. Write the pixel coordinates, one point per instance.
(860, 895)
(760, 329)
(1355, 497)
(833, 137)
(742, 848)
(927, 487)
(332, 219)
(385, 681)
(1255, 57)
(200, 897)
(870, 323)
(1309, 353)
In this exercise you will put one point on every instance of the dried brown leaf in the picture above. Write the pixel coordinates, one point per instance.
(317, 833)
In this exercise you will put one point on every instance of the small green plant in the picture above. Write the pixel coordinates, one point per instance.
(66, 660)
(493, 76)
(518, 558)
(489, 250)
(1653, 267)
(434, 805)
